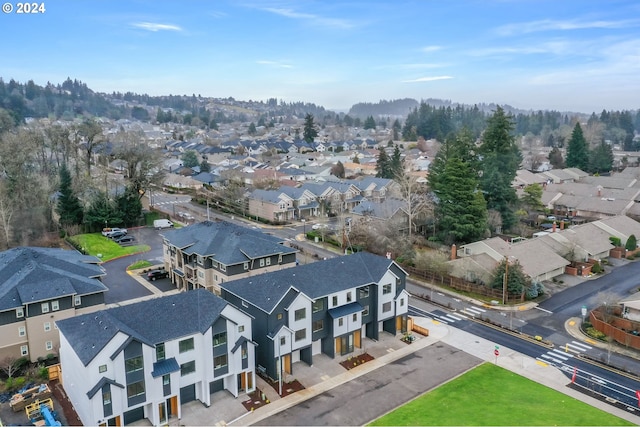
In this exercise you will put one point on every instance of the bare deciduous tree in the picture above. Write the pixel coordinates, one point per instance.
(10, 365)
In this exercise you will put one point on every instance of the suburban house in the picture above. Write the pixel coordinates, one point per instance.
(390, 211)
(538, 260)
(206, 254)
(145, 360)
(39, 287)
(301, 312)
(272, 205)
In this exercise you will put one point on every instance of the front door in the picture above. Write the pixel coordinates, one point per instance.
(162, 412)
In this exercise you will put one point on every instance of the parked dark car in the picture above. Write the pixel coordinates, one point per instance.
(115, 235)
(124, 239)
(157, 274)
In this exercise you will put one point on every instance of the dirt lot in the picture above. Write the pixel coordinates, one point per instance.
(61, 405)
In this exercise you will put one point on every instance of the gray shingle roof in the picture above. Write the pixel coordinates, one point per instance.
(226, 242)
(152, 321)
(30, 274)
(315, 280)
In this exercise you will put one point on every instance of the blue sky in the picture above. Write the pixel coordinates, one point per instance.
(563, 54)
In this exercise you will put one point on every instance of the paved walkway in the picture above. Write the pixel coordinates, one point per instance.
(326, 373)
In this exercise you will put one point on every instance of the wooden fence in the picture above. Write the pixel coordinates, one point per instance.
(616, 327)
(462, 285)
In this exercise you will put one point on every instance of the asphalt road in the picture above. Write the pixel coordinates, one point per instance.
(121, 286)
(370, 396)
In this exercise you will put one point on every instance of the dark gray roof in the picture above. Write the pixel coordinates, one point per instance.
(271, 196)
(226, 242)
(164, 367)
(153, 321)
(315, 280)
(31, 274)
(100, 384)
(383, 210)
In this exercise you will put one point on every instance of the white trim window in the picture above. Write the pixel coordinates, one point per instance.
(44, 307)
(48, 345)
(77, 300)
(55, 305)
(24, 350)
(22, 331)
(47, 326)
(20, 312)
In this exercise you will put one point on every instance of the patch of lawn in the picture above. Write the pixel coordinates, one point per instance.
(96, 244)
(139, 264)
(492, 396)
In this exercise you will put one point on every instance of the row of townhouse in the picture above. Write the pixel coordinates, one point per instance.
(311, 200)
(208, 253)
(145, 360)
(39, 287)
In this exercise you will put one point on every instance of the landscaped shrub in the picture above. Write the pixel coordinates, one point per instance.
(615, 241)
(593, 332)
(631, 244)
(597, 268)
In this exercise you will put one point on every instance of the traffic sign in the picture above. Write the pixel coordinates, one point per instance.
(496, 352)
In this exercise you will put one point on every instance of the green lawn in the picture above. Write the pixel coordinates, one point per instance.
(96, 244)
(492, 396)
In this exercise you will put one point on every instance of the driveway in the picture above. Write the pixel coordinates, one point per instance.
(122, 286)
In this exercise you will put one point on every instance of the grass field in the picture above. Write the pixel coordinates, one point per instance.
(96, 244)
(492, 396)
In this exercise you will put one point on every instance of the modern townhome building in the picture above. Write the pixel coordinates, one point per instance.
(208, 253)
(144, 360)
(39, 286)
(323, 307)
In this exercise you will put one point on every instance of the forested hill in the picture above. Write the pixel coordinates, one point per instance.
(383, 108)
(65, 100)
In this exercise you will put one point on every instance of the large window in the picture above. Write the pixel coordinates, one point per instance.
(349, 296)
(135, 389)
(219, 339)
(220, 361)
(187, 368)
(334, 301)
(134, 364)
(185, 345)
(363, 292)
(318, 305)
(365, 310)
(300, 314)
(301, 334)
(160, 354)
(386, 289)
(386, 307)
(318, 325)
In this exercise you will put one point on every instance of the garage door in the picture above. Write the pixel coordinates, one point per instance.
(133, 415)
(215, 386)
(187, 394)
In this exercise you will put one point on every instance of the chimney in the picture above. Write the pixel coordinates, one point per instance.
(561, 225)
(554, 227)
(454, 252)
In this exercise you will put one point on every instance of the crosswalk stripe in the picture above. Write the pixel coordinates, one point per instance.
(552, 354)
(476, 310)
(582, 346)
(449, 318)
(546, 356)
(455, 317)
(469, 312)
(561, 353)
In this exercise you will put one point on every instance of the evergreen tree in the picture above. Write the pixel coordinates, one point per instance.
(532, 197)
(68, 206)
(601, 159)
(396, 129)
(310, 132)
(578, 150)
(555, 158)
(252, 129)
(189, 159)
(460, 211)
(205, 166)
(501, 159)
(383, 165)
(397, 163)
(369, 123)
(129, 206)
(515, 278)
(102, 212)
(632, 243)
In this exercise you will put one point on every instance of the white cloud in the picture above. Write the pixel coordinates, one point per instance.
(315, 19)
(557, 47)
(429, 49)
(276, 64)
(152, 26)
(427, 79)
(568, 25)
